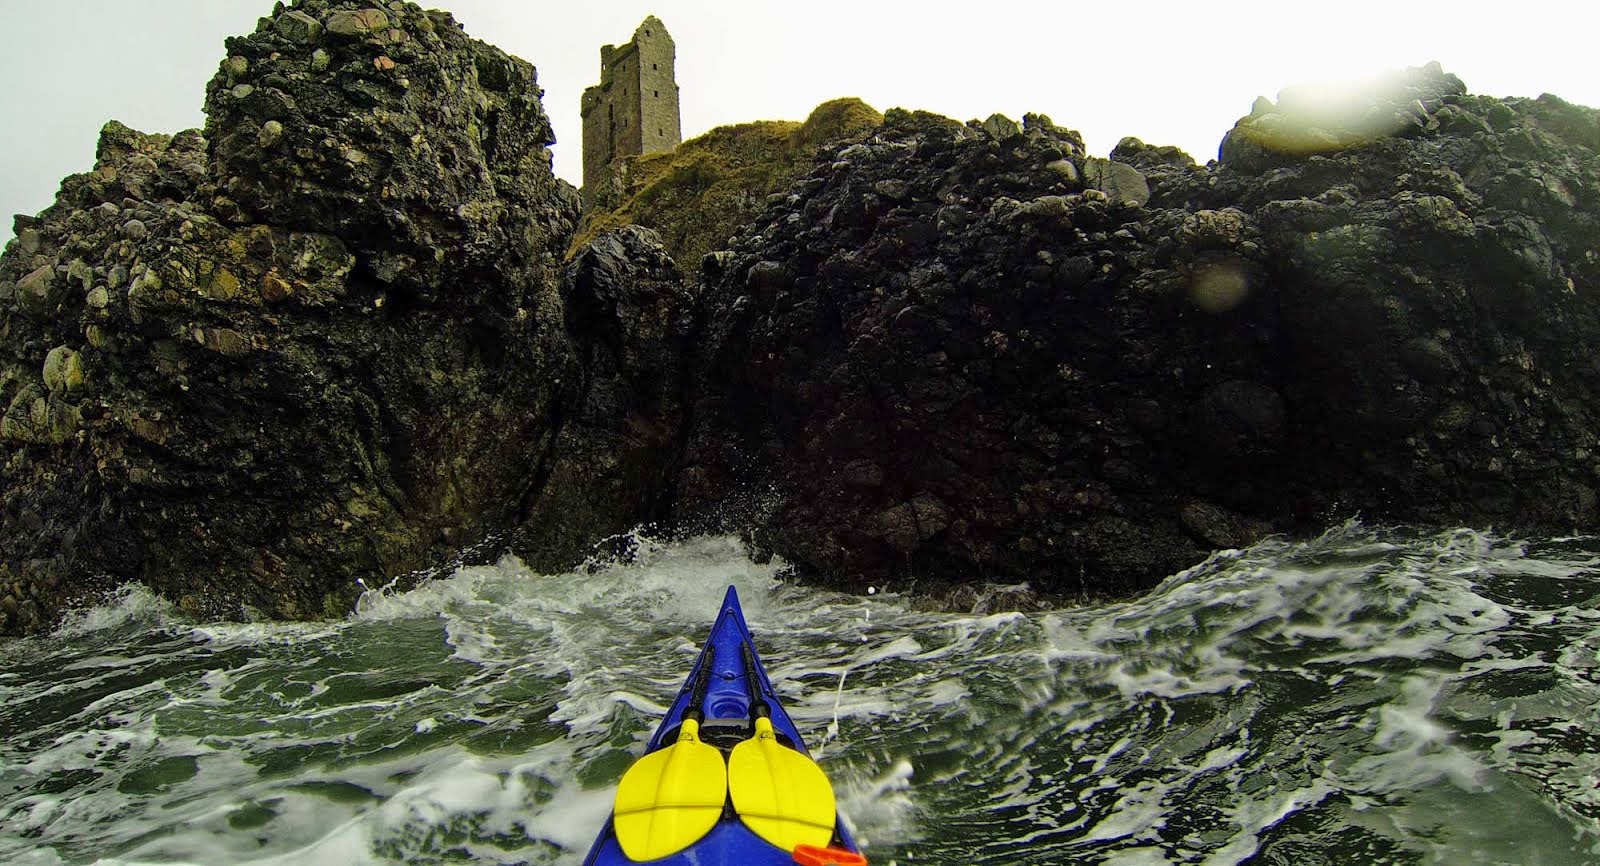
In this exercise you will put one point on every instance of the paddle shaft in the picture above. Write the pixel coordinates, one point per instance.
(702, 681)
(752, 677)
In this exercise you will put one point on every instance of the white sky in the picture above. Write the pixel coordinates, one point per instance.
(1165, 71)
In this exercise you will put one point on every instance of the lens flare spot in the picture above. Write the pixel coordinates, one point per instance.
(1328, 117)
(1219, 286)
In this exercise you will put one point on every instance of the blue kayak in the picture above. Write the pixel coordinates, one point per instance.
(725, 779)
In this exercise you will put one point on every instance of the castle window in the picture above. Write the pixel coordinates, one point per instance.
(656, 92)
(662, 133)
(652, 66)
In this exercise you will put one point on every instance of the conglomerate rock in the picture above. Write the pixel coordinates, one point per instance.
(332, 339)
(323, 341)
(423, 150)
(946, 358)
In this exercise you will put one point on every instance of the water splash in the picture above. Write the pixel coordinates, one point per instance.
(1366, 695)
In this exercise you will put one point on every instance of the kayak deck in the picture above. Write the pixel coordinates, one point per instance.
(733, 689)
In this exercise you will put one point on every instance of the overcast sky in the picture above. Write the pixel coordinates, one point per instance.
(1167, 72)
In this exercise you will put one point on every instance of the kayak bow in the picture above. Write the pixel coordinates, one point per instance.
(725, 779)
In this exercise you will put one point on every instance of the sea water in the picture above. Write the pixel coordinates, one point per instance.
(1370, 696)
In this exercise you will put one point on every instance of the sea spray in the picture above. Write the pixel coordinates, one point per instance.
(1367, 696)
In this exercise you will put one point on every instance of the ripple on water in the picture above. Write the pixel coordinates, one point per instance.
(1369, 695)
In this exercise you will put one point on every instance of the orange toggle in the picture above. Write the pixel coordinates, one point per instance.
(811, 855)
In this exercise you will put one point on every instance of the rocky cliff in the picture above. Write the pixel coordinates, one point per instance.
(974, 353)
(321, 340)
(336, 335)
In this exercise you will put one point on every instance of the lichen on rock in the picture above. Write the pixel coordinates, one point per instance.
(244, 365)
(347, 332)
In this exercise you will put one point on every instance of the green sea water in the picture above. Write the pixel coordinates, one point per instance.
(1371, 696)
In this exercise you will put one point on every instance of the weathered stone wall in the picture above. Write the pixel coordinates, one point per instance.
(660, 127)
(634, 108)
(597, 143)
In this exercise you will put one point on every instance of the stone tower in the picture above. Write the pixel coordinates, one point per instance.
(634, 108)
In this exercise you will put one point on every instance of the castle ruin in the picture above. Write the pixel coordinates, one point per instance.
(634, 108)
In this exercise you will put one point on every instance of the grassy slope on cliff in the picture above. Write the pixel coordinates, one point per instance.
(699, 194)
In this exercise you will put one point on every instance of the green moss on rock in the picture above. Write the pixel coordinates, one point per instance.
(699, 194)
(207, 335)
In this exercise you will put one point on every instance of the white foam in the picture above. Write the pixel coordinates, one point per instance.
(1138, 815)
(1253, 817)
(132, 604)
(881, 806)
(1143, 856)
(1094, 733)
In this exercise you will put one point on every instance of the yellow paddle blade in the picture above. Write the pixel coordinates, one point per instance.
(670, 798)
(780, 794)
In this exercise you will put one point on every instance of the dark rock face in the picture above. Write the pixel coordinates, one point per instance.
(1438, 294)
(997, 372)
(323, 341)
(331, 338)
(613, 466)
(423, 150)
(986, 375)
